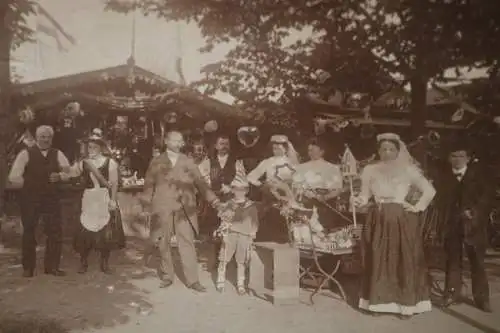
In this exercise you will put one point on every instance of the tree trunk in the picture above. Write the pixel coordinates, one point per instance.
(5, 89)
(418, 116)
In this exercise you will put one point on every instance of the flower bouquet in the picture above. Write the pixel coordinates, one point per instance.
(226, 215)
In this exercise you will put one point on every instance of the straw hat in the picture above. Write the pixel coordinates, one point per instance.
(278, 138)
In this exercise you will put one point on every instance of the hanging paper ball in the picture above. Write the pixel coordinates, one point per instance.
(211, 126)
(248, 136)
(496, 120)
(72, 110)
(433, 137)
(26, 116)
(170, 118)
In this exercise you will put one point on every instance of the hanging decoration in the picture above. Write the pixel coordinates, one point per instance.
(211, 126)
(458, 115)
(350, 170)
(368, 130)
(26, 116)
(248, 136)
(72, 110)
(170, 117)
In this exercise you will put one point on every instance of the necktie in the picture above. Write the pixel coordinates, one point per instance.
(459, 175)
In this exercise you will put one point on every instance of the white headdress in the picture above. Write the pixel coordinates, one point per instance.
(404, 157)
(291, 152)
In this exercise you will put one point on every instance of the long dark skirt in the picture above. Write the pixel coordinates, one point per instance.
(395, 272)
(111, 237)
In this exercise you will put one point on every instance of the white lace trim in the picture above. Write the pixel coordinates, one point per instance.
(420, 307)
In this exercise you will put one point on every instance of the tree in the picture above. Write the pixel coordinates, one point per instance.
(13, 32)
(354, 41)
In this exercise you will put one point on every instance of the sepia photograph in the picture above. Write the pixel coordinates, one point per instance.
(242, 166)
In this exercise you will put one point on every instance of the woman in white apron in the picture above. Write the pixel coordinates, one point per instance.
(100, 223)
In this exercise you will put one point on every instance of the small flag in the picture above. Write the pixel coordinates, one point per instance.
(349, 163)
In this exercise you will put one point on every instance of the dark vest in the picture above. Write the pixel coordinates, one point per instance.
(36, 175)
(220, 176)
(104, 170)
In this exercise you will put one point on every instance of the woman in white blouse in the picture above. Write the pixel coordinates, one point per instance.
(395, 273)
(100, 223)
(276, 169)
(280, 166)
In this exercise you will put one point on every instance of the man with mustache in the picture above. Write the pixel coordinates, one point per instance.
(37, 170)
(170, 188)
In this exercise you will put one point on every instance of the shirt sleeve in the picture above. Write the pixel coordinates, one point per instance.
(204, 168)
(425, 186)
(74, 171)
(240, 170)
(336, 177)
(113, 172)
(16, 173)
(366, 192)
(63, 161)
(254, 175)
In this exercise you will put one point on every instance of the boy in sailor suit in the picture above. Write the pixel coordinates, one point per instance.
(239, 225)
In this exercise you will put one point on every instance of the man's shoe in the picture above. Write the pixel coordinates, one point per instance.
(166, 283)
(83, 269)
(197, 287)
(484, 306)
(449, 301)
(28, 273)
(55, 272)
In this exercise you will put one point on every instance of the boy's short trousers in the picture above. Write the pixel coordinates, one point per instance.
(237, 245)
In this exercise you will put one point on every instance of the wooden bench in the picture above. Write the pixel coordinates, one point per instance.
(274, 273)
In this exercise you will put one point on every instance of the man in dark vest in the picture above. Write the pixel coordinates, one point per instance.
(37, 170)
(463, 197)
(219, 170)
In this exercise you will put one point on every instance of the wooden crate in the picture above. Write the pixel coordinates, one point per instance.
(274, 273)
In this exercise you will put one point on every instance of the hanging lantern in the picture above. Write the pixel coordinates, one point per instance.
(26, 115)
(170, 118)
(248, 136)
(211, 126)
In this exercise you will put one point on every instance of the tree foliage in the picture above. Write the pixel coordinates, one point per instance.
(360, 43)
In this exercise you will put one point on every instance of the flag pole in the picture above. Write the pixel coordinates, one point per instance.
(349, 170)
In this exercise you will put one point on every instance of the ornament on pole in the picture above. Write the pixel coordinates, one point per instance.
(350, 170)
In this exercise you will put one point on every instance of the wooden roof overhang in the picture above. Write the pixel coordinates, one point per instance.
(125, 89)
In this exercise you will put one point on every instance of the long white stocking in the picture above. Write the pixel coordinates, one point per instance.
(240, 272)
(221, 272)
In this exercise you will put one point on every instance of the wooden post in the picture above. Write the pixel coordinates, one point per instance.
(274, 273)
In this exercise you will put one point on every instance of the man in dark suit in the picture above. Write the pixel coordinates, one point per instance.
(464, 200)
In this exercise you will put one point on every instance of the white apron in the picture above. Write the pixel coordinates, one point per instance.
(95, 213)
